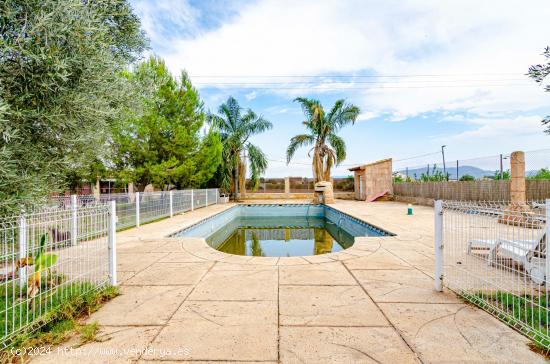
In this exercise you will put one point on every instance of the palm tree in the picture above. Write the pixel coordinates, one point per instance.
(235, 128)
(328, 148)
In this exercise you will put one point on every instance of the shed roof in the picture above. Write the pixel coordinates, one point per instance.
(363, 166)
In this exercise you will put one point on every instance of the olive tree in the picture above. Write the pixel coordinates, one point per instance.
(61, 86)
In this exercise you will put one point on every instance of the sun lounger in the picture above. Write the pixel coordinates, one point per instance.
(527, 253)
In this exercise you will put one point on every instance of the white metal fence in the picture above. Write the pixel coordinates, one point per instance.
(68, 249)
(134, 209)
(494, 255)
(49, 257)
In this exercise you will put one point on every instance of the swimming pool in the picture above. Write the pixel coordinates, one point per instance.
(280, 230)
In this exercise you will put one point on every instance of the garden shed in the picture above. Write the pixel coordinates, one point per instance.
(373, 180)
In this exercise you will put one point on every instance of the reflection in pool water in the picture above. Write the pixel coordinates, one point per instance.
(280, 236)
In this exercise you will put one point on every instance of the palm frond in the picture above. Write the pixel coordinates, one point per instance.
(258, 162)
(297, 142)
(232, 112)
(339, 147)
(260, 125)
(343, 115)
(308, 106)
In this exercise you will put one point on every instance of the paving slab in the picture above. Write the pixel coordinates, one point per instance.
(222, 266)
(235, 285)
(138, 246)
(322, 258)
(343, 345)
(115, 345)
(180, 257)
(207, 306)
(397, 286)
(328, 306)
(162, 274)
(458, 333)
(292, 261)
(138, 306)
(316, 274)
(221, 331)
(136, 261)
(141, 361)
(413, 257)
(124, 276)
(379, 259)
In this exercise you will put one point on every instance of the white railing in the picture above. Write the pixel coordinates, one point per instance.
(135, 209)
(68, 249)
(50, 257)
(494, 255)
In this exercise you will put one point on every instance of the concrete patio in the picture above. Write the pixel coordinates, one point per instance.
(374, 302)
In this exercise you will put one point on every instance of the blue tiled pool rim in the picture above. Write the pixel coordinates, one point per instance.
(209, 225)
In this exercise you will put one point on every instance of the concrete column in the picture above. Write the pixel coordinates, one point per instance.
(517, 185)
(287, 187)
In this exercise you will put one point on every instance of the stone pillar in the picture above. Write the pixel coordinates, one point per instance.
(519, 213)
(287, 187)
(517, 184)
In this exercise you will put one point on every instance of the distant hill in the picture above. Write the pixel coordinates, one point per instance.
(462, 170)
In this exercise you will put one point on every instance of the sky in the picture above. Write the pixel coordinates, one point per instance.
(424, 73)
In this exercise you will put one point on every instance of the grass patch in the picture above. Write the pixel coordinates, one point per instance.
(527, 314)
(59, 322)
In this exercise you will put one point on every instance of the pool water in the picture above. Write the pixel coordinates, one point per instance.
(280, 230)
(280, 237)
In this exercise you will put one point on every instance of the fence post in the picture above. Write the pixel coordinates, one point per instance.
(74, 220)
(112, 243)
(547, 261)
(171, 204)
(22, 224)
(192, 200)
(206, 197)
(438, 238)
(137, 209)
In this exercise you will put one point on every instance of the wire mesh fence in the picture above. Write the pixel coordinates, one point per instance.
(49, 257)
(477, 179)
(494, 255)
(66, 249)
(434, 168)
(134, 209)
(153, 205)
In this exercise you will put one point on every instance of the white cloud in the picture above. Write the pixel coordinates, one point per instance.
(367, 115)
(167, 19)
(503, 129)
(469, 38)
(251, 95)
(482, 49)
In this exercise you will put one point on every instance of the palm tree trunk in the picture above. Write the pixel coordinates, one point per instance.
(318, 172)
(242, 176)
(236, 180)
